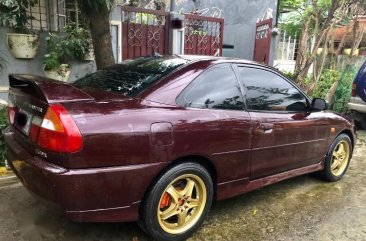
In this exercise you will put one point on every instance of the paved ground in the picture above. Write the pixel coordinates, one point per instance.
(302, 208)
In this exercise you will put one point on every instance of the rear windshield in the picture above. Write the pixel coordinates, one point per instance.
(131, 77)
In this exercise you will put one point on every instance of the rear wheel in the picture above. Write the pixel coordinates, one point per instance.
(178, 202)
(338, 159)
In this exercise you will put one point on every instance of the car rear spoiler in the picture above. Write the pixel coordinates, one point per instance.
(47, 90)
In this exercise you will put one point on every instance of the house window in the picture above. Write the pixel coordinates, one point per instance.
(68, 12)
(38, 16)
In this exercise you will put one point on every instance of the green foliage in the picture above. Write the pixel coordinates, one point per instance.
(326, 80)
(343, 92)
(56, 52)
(73, 45)
(102, 6)
(292, 76)
(77, 42)
(14, 14)
(289, 75)
(3, 125)
(290, 5)
(294, 14)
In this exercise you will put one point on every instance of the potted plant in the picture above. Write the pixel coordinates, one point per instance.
(55, 61)
(75, 43)
(14, 14)
(78, 42)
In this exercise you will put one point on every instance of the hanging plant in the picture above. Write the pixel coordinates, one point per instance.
(55, 61)
(22, 43)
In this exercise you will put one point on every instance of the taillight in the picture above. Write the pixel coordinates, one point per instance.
(354, 87)
(58, 131)
(11, 113)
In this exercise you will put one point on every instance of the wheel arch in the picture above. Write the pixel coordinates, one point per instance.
(350, 135)
(203, 161)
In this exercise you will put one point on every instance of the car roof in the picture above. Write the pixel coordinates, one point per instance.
(203, 58)
(213, 58)
(199, 58)
(220, 59)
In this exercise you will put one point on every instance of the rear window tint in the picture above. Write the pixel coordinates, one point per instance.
(131, 77)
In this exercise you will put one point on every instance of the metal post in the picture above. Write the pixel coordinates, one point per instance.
(288, 48)
(76, 13)
(294, 48)
(172, 5)
(283, 44)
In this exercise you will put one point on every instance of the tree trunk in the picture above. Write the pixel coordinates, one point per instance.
(101, 36)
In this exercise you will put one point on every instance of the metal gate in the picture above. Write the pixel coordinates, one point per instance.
(144, 31)
(203, 35)
(263, 37)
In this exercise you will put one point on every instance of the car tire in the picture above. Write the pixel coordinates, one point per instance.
(338, 159)
(177, 203)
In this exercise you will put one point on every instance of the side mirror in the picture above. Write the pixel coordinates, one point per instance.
(319, 104)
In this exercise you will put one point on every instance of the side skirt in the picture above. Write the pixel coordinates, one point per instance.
(236, 187)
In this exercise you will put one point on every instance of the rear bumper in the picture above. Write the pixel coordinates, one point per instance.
(110, 194)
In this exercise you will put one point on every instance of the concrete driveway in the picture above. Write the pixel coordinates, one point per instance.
(302, 208)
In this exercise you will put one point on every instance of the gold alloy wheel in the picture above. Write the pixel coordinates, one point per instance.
(182, 204)
(340, 158)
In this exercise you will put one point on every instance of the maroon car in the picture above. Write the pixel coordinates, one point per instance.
(157, 139)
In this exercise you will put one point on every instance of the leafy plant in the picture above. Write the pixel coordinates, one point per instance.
(77, 42)
(292, 76)
(57, 54)
(14, 14)
(343, 93)
(74, 44)
(327, 79)
(3, 125)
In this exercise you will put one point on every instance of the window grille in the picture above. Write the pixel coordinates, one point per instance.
(38, 16)
(68, 12)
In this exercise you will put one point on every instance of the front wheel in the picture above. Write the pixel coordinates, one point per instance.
(178, 202)
(338, 158)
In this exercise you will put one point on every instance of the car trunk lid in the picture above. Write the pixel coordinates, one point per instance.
(30, 98)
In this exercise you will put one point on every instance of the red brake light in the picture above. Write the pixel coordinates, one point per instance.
(354, 87)
(58, 131)
(11, 113)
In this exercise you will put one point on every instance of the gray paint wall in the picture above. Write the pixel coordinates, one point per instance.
(34, 66)
(240, 22)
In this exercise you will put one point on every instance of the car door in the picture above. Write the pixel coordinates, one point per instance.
(217, 126)
(286, 135)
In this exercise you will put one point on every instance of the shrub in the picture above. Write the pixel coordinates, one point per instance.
(343, 93)
(3, 125)
(292, 76)
(289, 75)
(327, 79)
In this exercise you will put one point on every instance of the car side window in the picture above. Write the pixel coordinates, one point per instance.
(216, 88)
(267, 91)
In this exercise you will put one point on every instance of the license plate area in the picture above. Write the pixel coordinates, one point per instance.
(23, 121)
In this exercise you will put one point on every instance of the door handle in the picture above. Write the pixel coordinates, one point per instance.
(266, 126)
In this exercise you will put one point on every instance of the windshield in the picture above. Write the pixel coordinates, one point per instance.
(131, 77)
